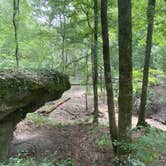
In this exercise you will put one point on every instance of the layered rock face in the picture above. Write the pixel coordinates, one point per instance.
(24, 92)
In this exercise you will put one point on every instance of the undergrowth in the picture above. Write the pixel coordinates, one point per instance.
(150, 146)
(42, 120)
(146, 149)
(36, 162)
(104, 142)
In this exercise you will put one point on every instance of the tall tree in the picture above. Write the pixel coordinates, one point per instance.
(125, 76)
(150, 20)
(62, 19)
(95, 62)
(107, 73)
(93, 33)
(16, 24)
(86, 82)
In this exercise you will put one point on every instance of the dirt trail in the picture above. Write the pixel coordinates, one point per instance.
(71, 141)
(77, 142)
(76, 106)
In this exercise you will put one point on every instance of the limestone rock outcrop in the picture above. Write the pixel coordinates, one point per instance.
(24, 92)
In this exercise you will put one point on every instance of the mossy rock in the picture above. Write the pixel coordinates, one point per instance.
(26, 91)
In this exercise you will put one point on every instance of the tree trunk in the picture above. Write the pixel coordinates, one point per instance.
(125, 77)
(62, 33)
(63, 53)
(107, 73)
(150, 19)
(101, 80)
(87, 78)
(95, 63)
(15, 24)
(94, 58)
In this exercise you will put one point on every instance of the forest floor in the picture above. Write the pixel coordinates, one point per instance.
(73, 136)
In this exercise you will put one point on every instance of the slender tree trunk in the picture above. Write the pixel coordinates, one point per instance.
(62, 33)
(63, 52)
(125, 76)
(107, 73)
(63, 36)
(94, 46)
(95, 63)
(94, 43)
(15, 24)
(101, 80)
(87, 78)
(150, 19)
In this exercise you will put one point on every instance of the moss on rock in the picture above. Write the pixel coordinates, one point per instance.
(24, 92)
(18, 89)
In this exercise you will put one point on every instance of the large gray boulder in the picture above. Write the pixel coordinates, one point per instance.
(24, 92)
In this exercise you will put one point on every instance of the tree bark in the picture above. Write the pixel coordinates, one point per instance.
(15, 24)
(94, 58)
(125, 77)
(107, 73)
(62, 18)
(95, 62)
(62, 33)
(86, 83)
(150, 19)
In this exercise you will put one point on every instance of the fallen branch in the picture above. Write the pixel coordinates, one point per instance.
(75, 115)
(47, 109)
(161, 121)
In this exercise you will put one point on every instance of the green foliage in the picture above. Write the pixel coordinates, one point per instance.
(134, 162)
(163, 95)
(26, 162)
(40, 35)
(159, 57)
(36, 162)
(40, 42)
(146, 149)
(154, 76)
(103, 142)
(67, 162)
(131, 161)
(42, 120)
(149, 147)
(139, 21)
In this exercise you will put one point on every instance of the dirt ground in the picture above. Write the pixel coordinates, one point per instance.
(71, 141)
(77, 142)
(75, 110)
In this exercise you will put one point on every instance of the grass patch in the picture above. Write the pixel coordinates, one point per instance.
(68, 162)
(42, 120)
(103, 142)
(36, 162)
(26, 162)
